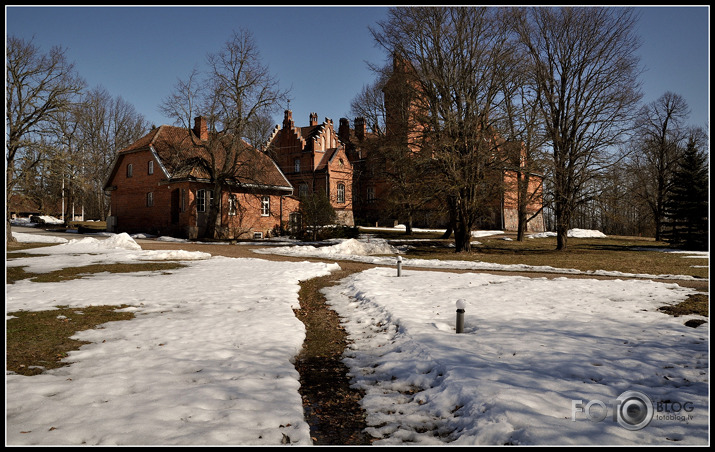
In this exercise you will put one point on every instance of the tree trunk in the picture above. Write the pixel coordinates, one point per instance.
(522, 184)
(213, 220)
(462, 233)
(8, 230)
(408, 226)
(563, 221)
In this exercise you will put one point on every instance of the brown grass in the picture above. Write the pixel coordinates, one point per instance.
(39, 340)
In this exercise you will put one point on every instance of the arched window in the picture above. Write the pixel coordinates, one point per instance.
(130, 170)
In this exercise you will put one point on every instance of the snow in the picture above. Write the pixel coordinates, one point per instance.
(577, 233)
(208, 358)
(375, 251)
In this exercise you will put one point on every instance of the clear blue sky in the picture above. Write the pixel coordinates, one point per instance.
(320, 53)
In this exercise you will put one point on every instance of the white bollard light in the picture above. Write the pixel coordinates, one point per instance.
(399, 266)
(461, 304)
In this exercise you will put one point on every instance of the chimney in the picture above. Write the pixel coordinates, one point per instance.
(201, 128)
(344, 130)
(360, 128)
(314, 119)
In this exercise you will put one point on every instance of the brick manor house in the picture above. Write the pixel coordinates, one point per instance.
(158, 190)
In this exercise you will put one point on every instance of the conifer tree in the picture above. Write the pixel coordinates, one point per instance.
(687, 205)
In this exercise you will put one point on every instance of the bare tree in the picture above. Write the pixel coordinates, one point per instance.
(409, 175)
(37, 86)
(236, 91)
(453, 58)
(105, 125)
(660, 138)
(369, 104)
(523, 131)
(584, 65)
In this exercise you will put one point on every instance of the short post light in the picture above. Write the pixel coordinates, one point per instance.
(399, 266)
(461, 304)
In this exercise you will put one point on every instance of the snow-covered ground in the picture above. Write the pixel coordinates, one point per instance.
(208, 358)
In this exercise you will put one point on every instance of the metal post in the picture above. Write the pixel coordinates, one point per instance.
(460, 316)
(399, 266)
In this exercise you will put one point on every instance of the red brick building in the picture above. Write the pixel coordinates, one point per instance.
(371, 191)
(313, 159)
(158, 186)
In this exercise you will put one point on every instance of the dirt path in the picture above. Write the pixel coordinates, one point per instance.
(332, 407)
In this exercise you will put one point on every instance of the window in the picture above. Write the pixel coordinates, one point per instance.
(232, 204)
(201, 200)
(183, 200)
(265, 206)
(341, 193)
(149, 199)
(204, 198)
(303, 190)
(130, 170)
(296, 165)
(258, 235)
(295, 221)
(151, 167)
(370, 194)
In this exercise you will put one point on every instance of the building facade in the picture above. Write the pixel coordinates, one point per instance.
(157, 185)
(314, 160)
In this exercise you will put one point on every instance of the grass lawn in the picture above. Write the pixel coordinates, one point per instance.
(623, 254)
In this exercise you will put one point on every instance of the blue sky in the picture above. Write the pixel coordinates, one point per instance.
(320, 53)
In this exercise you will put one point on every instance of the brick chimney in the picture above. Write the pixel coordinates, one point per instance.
(344, 130)
(360, 128)
(314, 119)
(201, 128)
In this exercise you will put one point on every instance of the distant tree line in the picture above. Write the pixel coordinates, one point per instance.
(61, 137)
(563, 83)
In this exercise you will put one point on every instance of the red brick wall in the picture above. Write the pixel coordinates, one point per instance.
(128, 201)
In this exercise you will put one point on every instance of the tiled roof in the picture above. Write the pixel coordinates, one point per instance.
(329, 153)
(184, 158)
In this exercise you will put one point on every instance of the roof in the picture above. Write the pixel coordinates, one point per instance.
(185, 157)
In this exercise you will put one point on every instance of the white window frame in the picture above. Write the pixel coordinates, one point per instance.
(130, 170)
(204, 198)
(201, 200)
(232, 204)
(150, 169)
(150, 199)
(265, 206)
(341, 193)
